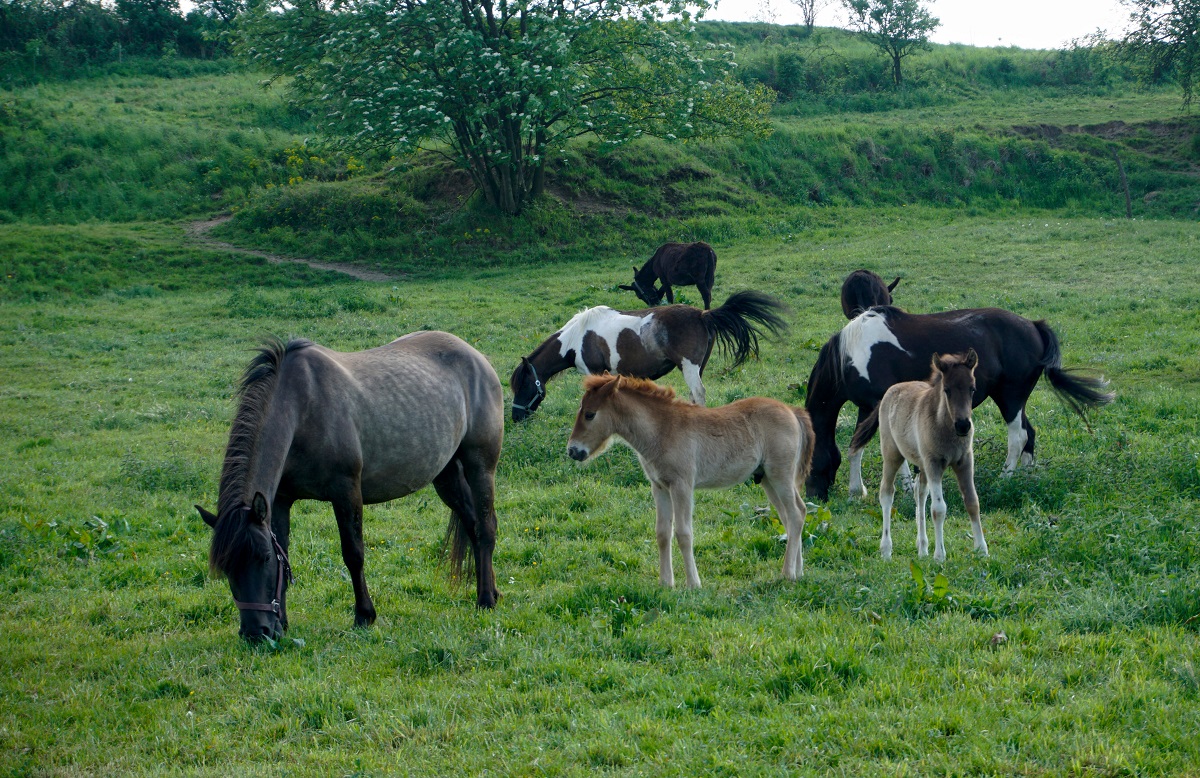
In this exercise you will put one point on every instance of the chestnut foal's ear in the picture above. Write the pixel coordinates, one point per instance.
(972, 359)
(258, 509)
(892, 285)
(209, 518)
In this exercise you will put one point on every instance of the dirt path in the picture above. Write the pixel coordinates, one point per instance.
(198, 233)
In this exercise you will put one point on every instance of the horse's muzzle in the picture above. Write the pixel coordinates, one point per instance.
(962, 427)
(576, 452)
(260, 632)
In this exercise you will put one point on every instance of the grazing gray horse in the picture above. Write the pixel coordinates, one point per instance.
(351, 429)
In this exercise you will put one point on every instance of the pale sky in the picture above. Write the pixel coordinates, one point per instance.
(1030, 24)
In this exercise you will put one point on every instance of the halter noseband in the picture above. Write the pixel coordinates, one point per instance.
(284, 568)
(642, 292)
(539, 392)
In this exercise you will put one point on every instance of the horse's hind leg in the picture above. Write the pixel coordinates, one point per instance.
(467, 486)
(1020, 431)
(662, 533)
(691, 376)
(887, 495)
(856, 487)
(348, 509)
(681, 508)
(785, 496)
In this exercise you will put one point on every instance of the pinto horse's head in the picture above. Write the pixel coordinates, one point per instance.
(528, 390)
(246, 552)
(643, 286)
(957, 374)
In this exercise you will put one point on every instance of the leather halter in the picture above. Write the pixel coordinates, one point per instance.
(642, 292)
(539, 391)
(282, 570)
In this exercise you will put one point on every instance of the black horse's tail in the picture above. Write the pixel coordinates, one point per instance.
(865, 431)
(1079, 392)
(730, 325)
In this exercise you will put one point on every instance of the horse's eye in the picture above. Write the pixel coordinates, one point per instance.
(589, 415)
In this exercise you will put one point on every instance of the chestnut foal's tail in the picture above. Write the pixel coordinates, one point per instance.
(808, 440)
(732, 325)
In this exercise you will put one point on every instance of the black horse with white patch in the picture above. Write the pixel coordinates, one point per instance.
(885, 346)
(863, 289)
(679, 264)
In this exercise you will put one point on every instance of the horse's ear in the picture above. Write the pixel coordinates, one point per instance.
(209, 518)
(258, 509)
(892, 285)
(936, 362)
(972, 359)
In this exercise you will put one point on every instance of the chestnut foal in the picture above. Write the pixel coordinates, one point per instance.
(683, 447)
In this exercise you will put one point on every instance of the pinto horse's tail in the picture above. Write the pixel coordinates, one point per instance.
(1079, 392)
(730, 325)
(865, 431)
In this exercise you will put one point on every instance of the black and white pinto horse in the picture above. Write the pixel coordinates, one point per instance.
(679, 264)
(886, 345)
(863, 289)
(646, 344)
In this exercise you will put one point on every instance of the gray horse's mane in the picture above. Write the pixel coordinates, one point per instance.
(229, 543)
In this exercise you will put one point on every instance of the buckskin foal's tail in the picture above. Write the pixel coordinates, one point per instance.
(1080, 392)
(731, 325)
(865, 431)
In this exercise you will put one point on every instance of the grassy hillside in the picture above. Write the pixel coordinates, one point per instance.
(1071, 649)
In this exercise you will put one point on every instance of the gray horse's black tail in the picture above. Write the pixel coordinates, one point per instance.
(732, 325)
(1079, 392)
(865, 431)
(451, 485)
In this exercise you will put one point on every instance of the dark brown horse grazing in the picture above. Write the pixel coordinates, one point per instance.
(353, 429)
(645, 344)
(675, 263)
(863, 289)
(885, 346)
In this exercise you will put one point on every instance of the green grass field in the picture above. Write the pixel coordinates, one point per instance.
(1071, 650)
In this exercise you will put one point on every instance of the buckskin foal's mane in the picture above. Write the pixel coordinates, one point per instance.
(232, 543)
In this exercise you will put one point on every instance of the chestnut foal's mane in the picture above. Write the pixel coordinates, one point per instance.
(642, 386)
